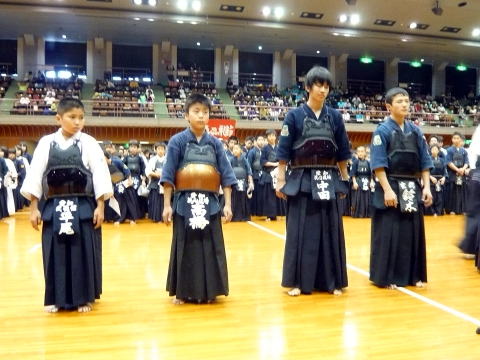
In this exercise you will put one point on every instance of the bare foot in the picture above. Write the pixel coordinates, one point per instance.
(392, 287)
(337, 292)
(85, 308)
(116, 223)
(420, 284)
(294, 292)
(469, 256)
(178, 301)
(51, 309)
(132, 222)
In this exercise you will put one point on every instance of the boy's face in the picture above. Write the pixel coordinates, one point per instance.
(110, 149)
(18, 152)
(248, 144)
(237, 151)
(133, 149)
(160, 150)
(11, 156)
(231, 144)
(71, 121)
(399, 107)
(361, 153)
(318, 92)
(456, 140)
(433, 141)
(271, 138)
(434, 151)
(197, 117)
(260, 141)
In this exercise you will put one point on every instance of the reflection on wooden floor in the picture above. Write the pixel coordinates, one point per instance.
(136, 320)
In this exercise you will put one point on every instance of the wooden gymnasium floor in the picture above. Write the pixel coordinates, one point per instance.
(136, 320)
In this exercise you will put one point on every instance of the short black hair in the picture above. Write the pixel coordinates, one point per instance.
(67, 104)
(259, 136)
(196, 98)
(234, 138)
(270, 132)
(249, 138)
(107, 154)
(160, 143)
(318, 75)
(390, 94)
(437, 146)
(457, 133)
(440, 138)
(133, 142)
(433, 137)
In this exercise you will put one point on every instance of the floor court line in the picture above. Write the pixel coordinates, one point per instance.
(403, 290)
(34, 248)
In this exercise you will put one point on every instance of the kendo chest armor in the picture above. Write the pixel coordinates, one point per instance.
(403, 155)
(438, 169)
(458, 158)
(154, 182)
(133, 164)
(316, 147)
(256, 165)
(271, 157)
(239, 169)
(198, 170)
(115, 173)
(363, 168)
(66, 175)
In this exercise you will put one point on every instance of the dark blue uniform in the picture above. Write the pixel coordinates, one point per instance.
(438, 171)
(314, 256)
(3, 189)
(198, 266)
(256, 202)
(457, 185)
(361, 198)
(398, 254)
(119, 194)
(272, 206)
(240, 206)
(136, 205)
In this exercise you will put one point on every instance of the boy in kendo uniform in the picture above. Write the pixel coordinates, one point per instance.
(136, 165)
(119, 174)
(314, 144)
(195, 168)
(399, 157)
(361, 175)
(243, 174)
(253, 156)
(154, 173)
(438, 176)
(69, 175)
(457, 162)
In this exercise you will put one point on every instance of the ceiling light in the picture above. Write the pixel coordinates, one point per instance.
(413, 25)
(422, 60)
(182, 5)
(266, 11)
(347, 35)
(136, 18)
(437, 10)
(415, 64)
(335, 34)
(343, 18)
(260, 47)
(137, 2)
(196, 5)
(354, 19)
(64, 36)
(279, 12)
(152, 2)
(193, 23)
(318, 51)
(198, 44)
(179, 21)
(476, 32)
(404, 40)
(150, 20)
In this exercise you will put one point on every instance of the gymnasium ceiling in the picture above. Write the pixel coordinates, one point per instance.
(82, 20)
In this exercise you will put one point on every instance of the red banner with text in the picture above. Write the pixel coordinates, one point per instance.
(221, 128)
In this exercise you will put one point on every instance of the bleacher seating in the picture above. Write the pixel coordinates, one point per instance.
(177, 92)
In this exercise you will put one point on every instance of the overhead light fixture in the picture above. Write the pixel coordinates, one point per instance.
(260, 47)
(318, 51)
(343, 18)
(266, 11)
(404, 40)
(437, 10)
(137, 2)
(476, 32)
(196, 5)
(462, 4)
(179, 21)
(422, 60)
(64, 36)
(193, 23)
(413, 25)
(198, 43)
(151, 19)
(347, 35)
(351, 2)
(335, 34)
(355, 19)
(136, 18)
(366, 60)
(279, 12)
(415, 64)
(152, 2)
(461, 67)
(182, 5)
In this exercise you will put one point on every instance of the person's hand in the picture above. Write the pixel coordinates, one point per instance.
(278, 188)
(355, 186)
(390, 198)
(442, 181)
(98, 217)
(35, 218)
(167, 215)
(433, 180)
(427, 197)
(227, 213)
